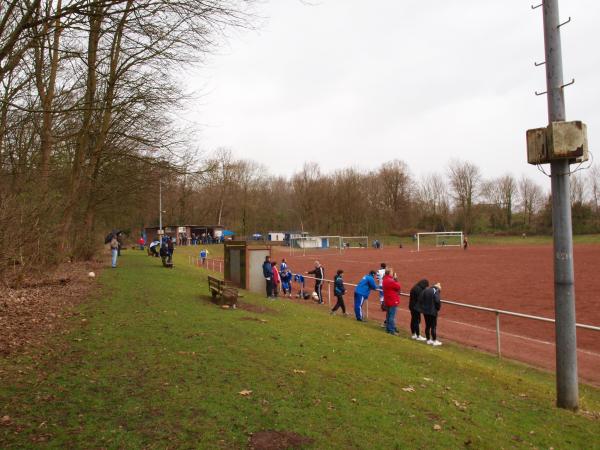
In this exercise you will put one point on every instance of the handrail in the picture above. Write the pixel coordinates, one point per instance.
(484, 308)
(466, 305)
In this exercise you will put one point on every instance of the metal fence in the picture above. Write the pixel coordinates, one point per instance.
(217, 266)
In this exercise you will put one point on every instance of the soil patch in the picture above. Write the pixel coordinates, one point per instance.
(278, 440)
(255, 308)
(38, 308)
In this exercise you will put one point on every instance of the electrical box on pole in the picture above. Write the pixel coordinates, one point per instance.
(559, 140)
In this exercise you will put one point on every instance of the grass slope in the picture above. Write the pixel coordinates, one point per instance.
(151, 364)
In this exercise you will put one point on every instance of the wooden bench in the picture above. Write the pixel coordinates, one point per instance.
(222, 293)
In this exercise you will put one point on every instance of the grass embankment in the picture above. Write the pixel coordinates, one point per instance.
(151, 364)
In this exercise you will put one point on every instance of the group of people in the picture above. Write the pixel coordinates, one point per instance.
(278, 280)
(424, 300)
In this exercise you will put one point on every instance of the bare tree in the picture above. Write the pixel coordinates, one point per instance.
(531, 197)
(464, 179)
(593, 181)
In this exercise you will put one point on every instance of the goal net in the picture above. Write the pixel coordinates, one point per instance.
(355, 242)
(439, 239)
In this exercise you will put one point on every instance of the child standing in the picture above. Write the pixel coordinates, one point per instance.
(286, 282)
(339, 290)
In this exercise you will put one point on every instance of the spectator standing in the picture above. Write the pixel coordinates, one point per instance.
(430, 305)
(415, 315)
(120, 242)
(391, 296)
(154, 246)
(339, 290)
(114, 251)
(319, 273)
(299, 278)
(268, 274)
(203, 256)
(283, 266)
(380, 275)
(141, 242)
(276, 279)
(361, 293)
(170, 250)
(286, 282)
(465, 243)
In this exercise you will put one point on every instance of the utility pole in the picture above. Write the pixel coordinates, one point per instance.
(159, 204)
(567, 389)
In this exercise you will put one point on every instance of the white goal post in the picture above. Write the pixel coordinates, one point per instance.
(442, 238)
(355, 242)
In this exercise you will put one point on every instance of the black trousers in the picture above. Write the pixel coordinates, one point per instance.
(415, 322)
(318, 290)
(430, 327)
(340, 304)
(269, 287)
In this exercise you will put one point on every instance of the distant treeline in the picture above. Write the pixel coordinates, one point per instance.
(245, 197)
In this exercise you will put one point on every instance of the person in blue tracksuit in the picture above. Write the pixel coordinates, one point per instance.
(362, 291)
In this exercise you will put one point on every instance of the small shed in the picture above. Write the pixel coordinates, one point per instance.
(276, 236)
(243, 265)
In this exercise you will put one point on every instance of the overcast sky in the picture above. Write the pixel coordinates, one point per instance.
(355, 83)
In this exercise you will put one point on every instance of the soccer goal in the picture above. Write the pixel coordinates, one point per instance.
(355, 242)
(303, 243)
(439, 239)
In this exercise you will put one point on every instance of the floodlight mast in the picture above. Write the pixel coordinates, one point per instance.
(567, 389)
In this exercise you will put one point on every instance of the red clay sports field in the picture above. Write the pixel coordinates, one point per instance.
(516, 278)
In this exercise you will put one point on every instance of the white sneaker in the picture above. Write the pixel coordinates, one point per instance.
(414, 336)
(429, 342)
(420, 338)
(436, 343)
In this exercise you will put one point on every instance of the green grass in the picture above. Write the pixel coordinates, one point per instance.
(149, 364)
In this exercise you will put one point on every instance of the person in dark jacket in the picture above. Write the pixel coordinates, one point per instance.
(430, 304)
(268, 274)
(415, 315)
(319, 273)
(339, 290)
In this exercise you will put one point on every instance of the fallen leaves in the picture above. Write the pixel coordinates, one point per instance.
(408, 389)
(437, 427)
(5, 420)
(459, 405)
(245, 393)
(39, 308)
(298, 371)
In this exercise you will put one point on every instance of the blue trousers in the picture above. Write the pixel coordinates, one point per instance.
(390, 325)
(358, 302)
(114, 253)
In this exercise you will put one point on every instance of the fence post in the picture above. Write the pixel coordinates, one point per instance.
(220, 266)
(498, 335)
(329, 293)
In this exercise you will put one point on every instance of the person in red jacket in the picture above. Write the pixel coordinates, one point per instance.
(391, 298)
(276, 278)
